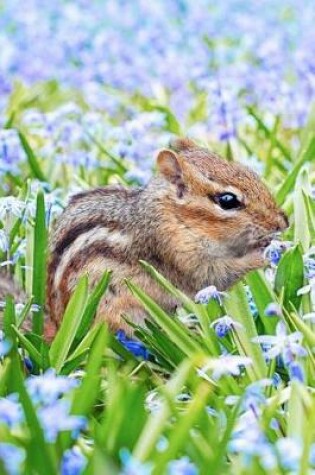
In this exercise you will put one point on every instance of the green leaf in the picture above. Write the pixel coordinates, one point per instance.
(290, 277)
(92, 304)
(39, 264)
(9, 318)
(263, 295)
(237, 307)
(27, 345)
(71, 321)
(39, 459)
(86, 395)
(31, 157)
(307, 155)
(175, 330)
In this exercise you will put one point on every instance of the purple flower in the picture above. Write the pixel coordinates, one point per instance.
(73, 462)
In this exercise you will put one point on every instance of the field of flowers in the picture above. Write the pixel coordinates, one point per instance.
(89, 91)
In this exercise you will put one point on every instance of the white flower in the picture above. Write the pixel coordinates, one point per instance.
(289, 345)
(209, 293)
(12, 205)
(227, 364)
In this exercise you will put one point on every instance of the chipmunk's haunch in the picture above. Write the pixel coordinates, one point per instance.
(200, 221)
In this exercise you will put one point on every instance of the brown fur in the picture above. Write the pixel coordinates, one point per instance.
(173, 223)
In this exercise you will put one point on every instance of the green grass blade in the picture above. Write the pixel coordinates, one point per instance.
(176, 332)
(307, 155)
(71, 321)
(290, 277)
(237, 307)
(31, 157)
(92, 304)
(39, 264)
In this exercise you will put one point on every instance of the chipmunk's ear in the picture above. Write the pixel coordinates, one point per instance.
(180, 144)
(169, 166)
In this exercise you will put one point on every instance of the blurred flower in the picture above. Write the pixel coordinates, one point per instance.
(132, 466)
(284, 344)
(273, 310)
(290, 452)
(11, 413)
(296, 372)
(12, 458)
(73, 462)
(250, 442)
(11, 205)
(5, 345)
(230, 364)
(56, 418)
(253, 398)
(182, 466)
(208, 293)
(225, 324)
(48, 387)
(4, 242)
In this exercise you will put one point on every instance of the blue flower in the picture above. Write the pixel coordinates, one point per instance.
(182, 466)
(224, 325)
(287, 345)
(132, 466)
(11, 412)
(48, 387)
(273, 310)
(135, 347)
(73, 462)
(56, 418)
(5, 345)
(296, 372)
(250, 442)
(226, 364)
(275, 250)
(12, 458)
(208, 293)
(290, 453)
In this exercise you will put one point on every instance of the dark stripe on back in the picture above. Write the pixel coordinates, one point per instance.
(95, 249)
(75, 231)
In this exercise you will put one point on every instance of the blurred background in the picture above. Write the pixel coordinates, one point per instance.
(129, 74)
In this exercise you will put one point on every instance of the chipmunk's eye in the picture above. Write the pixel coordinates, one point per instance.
(227, 201)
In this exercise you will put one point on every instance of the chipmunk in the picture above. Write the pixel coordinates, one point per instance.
(201, 221)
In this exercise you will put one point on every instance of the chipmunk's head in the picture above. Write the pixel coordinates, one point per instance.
(224, 203)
